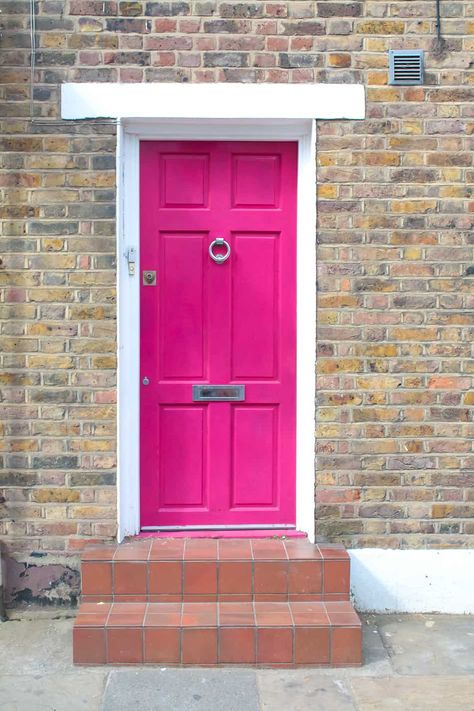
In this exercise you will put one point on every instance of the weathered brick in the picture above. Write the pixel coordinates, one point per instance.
(395, 220)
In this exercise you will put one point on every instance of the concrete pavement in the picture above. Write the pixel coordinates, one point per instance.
(412, 663)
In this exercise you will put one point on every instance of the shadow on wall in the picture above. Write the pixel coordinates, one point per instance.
(413, 581)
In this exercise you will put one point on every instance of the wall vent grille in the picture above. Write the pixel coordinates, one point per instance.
(406, 66)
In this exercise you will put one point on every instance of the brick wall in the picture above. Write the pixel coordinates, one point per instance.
(395, 260)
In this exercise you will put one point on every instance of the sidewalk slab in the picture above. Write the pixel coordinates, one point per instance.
(52, 692)
(181, 690)
(414, 694)
(424, 645)
(281, 692)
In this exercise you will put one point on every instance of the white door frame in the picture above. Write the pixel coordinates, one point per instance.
(275, 112)
(131, 133)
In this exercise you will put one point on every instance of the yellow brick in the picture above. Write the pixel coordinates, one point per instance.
(50, 361)
(412, 253)
(53, 40)
(337, 301)
(380, 27)
(87, 512)
(339, 365)
(61, 496)
(412, 127)
(385, 94)
(413, 206)
(414, 334)
(327, 192)
(469, 398)
(377, 78)
(378, 383)
(100, 179)
(53, 244)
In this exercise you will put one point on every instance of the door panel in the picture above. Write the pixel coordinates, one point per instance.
(218, 463)
(182, 300)
(183, 432)
(254, 456)
(255, 306)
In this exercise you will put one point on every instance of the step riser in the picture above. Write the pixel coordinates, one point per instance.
(281, 634)
(169, 602)
(207, 581)
(284, 647)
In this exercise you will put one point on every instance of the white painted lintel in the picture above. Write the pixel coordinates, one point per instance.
(218, 101)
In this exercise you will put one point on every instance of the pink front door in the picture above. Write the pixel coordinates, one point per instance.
(205, 322)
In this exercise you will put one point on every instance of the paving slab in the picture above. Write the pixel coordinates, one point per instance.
(414, 694)
(181, 690)
(429, 644)
(40, 647)
(80, 691)
(282, 691)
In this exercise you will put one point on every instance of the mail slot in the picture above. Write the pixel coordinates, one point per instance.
(218, 393)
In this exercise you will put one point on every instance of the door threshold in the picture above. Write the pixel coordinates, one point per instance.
(226, 533)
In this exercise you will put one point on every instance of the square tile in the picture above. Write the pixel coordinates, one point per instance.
(165, 577)
(309, 614)
(271, 577)
(105, 553)
(200, 578)
(95, 608)
(85, 619)
(274, 646)
(130, 578)
(305, 576)
(134, 551)
(200, 549)
(312, 645)
(127, 614)
(199, 646)
(162, 645)
(223, 597)
(344, 619)
(236, 614)
(165, 598)
(235, 577)
(336, 576)
(199, 614)
(273, 614)
(124, 645)
(237, 645)
(266, 549)
(88, 645)
(96, 578)
(346, 645)
(233, 549)
(302, 550)
(333, 552)
(167, 549)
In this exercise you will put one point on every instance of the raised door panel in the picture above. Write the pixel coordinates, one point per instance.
(182, 457)
(255, 279)
(182, 293)
(254, 456)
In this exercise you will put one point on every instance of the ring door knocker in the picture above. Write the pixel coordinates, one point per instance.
(219, 258)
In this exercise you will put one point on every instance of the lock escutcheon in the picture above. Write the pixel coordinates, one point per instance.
(149, 278)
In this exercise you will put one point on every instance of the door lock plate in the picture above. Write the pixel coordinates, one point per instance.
(149, 278)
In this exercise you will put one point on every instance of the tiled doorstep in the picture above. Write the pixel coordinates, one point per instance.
(207, 634)
(171, 570)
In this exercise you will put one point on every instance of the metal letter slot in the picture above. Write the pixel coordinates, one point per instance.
(218, 393)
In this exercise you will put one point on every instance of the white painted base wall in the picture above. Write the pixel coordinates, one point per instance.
(413, 580)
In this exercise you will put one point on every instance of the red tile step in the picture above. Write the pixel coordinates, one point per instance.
(275, 634)
(210, 570)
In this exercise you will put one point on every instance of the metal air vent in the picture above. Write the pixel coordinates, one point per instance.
(406, 66)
